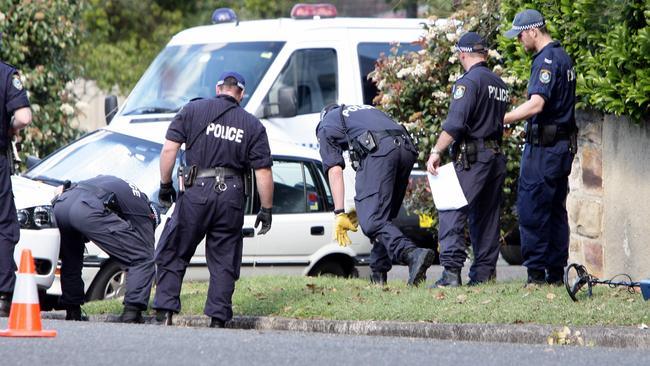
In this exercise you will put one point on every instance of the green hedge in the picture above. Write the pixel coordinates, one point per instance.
(609, 41)
(37, 38)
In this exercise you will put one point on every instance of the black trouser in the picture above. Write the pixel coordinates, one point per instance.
(81, 216)
(203, 212)
(9, 229)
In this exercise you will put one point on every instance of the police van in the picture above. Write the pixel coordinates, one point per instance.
(293, 67)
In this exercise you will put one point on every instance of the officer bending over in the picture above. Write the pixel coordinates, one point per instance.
(382, 155)
(474, 124)
(119, 218)
(222, 143)
(15, 115)
(548, 154)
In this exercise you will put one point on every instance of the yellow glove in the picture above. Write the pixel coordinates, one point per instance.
(353, 217)
(343, 223)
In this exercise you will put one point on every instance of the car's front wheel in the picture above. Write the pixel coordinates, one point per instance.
(110, 283)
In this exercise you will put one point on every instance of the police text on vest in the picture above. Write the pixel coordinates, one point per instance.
(497, 93)
(225, 132)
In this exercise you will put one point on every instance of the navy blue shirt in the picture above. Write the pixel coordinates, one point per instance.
(358, 119)
(236, 140)
(553, 77)
(134, 204)
(478, 104)
(12, 97)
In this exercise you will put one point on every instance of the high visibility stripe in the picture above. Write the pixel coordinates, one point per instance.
(25, 291)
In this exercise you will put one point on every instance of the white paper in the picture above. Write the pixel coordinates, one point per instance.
(446, 190)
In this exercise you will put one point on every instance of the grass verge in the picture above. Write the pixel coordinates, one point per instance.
(355, 299)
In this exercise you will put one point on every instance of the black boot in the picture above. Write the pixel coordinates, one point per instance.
(379, 278)
(491, 278)
(131, 314)
(418, 260)
(217, 323)
(164, 317)
(555, 276)
(450, 278)
(73, 312)
(535, 277)
(5, 304)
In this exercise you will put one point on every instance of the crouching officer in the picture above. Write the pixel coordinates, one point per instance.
(15, 115)
(222, 143)
(474, 124)
(119, 218)
(383, 155)
(548, 154)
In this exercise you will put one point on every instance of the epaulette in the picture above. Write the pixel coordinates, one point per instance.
(197, 98)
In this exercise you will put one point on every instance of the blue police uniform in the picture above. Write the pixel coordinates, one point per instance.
(115, 215)
(479, 101)
(545, 166)
(236, 141)
(12, 97)
(381, 178)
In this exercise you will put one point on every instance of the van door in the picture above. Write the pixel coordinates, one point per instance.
(313, 73)
(302, 217)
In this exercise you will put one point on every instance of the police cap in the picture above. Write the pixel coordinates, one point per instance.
(471, 42)
(526, 19)
(326, 109)
(241, 83)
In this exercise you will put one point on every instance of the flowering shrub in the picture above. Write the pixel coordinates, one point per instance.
(37, 37)
(415, 89)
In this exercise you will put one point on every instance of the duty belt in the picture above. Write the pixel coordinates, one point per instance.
(187, 175)
(381, 134)
(217, 172)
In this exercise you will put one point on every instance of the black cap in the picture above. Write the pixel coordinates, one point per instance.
(526, 19)
(326, 109)
(471, 42)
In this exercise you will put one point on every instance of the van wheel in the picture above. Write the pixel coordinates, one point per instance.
(110, 283)
(329, 268)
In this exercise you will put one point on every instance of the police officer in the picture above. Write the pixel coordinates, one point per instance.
(383, 156)
(15, 114)
(222, 143)
(119, 218)
(474, 125)
(548, 152)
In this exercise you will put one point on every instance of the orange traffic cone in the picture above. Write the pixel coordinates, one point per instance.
(25, 313)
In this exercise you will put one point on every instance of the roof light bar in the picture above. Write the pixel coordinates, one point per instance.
(313, 11)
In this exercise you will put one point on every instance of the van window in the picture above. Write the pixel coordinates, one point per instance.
(368, 55)
(181, 73)
(313, 74)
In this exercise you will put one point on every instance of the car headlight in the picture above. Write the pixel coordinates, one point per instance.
(36, 218)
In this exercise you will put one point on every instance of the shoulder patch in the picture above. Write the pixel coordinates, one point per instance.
(17, 83)
(545, 76)
(548, 61)
(459, 91)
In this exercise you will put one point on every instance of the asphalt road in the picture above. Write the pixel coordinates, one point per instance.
(119, 344)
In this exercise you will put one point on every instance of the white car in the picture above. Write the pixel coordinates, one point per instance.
(300, 240)
(38, 230)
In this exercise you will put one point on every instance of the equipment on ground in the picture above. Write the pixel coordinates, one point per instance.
(576, 278)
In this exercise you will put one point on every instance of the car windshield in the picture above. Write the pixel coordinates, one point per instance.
(103, 152)
(181, 73)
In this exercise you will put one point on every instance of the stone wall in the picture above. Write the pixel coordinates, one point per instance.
(609, 201)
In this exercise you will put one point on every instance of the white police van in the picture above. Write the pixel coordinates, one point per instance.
(293, 67)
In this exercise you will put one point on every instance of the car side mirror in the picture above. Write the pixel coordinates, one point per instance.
(110, 107)
(287, 102)
(32, 161)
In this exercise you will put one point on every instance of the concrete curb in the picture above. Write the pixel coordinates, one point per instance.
(619, 337)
